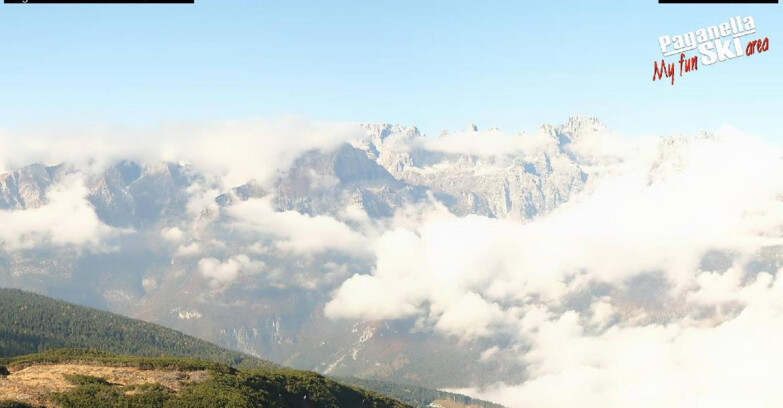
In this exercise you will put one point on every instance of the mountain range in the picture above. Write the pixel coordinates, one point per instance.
(251, 267)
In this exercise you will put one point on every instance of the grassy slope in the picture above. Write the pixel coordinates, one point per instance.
(224, 387)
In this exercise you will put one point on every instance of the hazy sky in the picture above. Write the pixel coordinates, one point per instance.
(435, 64)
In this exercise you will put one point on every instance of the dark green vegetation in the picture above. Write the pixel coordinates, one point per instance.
(82, 380)
(14, 404)
(62, 356)
(31, 323)
(105, 395)
(414, 395)
(224, 386)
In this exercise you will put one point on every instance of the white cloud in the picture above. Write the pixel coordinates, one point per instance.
(684, 363)
(297, 233)
(173, 234)
(231, 153)
(66, 219)
(201, 198)
(191, 249)
(363, 297)
(354, 213)
(602, 312)
(488, 143)
(241, 151)
(222, 273)
(623, 227)
(470, 316)
(713, 339)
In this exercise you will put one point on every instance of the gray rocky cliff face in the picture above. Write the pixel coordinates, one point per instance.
(26, 187)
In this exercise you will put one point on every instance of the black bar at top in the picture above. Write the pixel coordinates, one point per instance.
(717, 1)
(99, 1)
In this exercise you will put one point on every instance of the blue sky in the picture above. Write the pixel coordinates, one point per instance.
(436, 64)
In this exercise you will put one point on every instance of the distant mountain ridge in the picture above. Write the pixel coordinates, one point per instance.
(128, 193)
(262, 297)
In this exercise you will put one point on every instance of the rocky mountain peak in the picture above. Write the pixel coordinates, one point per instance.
(378, 132)
(26, 187)
(578, 128)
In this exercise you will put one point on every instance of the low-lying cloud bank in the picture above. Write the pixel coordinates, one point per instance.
(233, 151)
(610, 300)
(66, 219)
(686, 362)
(226, 155)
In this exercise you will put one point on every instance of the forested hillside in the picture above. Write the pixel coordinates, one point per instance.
(31, 323)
